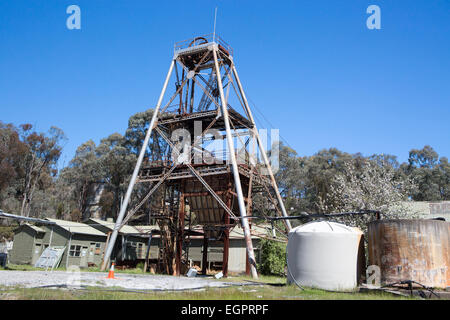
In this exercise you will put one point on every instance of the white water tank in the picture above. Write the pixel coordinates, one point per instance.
(324, 255)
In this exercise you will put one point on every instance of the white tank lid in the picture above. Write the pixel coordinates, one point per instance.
(326, 227)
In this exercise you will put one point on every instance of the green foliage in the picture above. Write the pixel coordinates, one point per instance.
(140, 266)
(75, 215)
(431, 173)
(28, 168)
(59, 210)
(309, 183)
(7, 232)
(106, 203)
(273, 257)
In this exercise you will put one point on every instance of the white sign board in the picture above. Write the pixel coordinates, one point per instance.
(50, 258)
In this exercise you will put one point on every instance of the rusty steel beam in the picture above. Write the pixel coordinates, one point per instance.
(180, 235)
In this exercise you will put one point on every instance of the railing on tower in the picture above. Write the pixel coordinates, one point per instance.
(208, 38)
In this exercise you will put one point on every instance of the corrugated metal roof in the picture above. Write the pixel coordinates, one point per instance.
(76, 227)
(257, 231)
(147, 229)
(126, 229)
(37, 229)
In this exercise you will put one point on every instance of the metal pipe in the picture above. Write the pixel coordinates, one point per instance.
(124, 206)
(16, 217)
(237, 181)
(261, 147)
(326, 215)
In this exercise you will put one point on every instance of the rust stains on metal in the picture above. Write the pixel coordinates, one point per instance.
(415, 250)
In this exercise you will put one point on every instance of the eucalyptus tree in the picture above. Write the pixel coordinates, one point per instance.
(40, 159)
(12, 151)
(116, 164)
(431, 173)
(83, 170)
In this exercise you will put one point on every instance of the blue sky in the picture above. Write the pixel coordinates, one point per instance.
(312, 68)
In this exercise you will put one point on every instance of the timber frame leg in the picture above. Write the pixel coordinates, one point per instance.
(180, 235)
(205, 255)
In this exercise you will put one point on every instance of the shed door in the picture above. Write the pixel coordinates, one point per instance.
(84, 256)
(91, 252)
(37, 252)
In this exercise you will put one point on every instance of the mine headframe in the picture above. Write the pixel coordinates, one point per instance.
(215, 184)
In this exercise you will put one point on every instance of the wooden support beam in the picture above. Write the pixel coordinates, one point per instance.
(202, 194)
(147, 253)
(226, 249)
(180, 235)
(205, 255)
(226, 239)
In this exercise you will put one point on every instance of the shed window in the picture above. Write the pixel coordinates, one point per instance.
(97, 248)
(75, 251)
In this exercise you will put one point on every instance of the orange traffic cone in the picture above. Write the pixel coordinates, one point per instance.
(111, 272)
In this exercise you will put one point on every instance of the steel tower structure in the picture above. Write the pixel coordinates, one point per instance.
(217, 185)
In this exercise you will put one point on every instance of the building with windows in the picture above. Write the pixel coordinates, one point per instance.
(84, 244)
(429, 209)
(131, 243)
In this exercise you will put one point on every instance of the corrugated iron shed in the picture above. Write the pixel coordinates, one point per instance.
(126, 229)
(76, 227)
(35, 228)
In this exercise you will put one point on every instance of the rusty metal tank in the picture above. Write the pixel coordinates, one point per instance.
(415, 250)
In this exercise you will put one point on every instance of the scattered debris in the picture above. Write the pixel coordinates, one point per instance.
(191, 273)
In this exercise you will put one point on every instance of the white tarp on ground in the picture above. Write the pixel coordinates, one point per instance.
(30, 279)
(324, 255)
(50, 258)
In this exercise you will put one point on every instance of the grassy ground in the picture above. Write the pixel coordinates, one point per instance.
(233, 293)
(265, 288)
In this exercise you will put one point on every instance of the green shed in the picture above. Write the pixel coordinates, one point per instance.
(131, 243)
(84, 244)
(27, 244)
